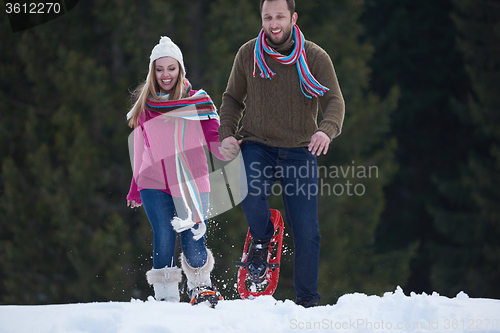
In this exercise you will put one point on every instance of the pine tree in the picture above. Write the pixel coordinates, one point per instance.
(69, 237)
(414, 49)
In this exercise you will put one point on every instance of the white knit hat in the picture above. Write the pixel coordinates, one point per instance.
(167, 48)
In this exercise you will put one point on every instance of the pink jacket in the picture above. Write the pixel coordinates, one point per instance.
(154, 162)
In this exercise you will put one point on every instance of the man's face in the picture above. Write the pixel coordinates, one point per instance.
(277, 21)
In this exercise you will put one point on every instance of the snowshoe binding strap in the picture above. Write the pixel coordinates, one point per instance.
(203, 294)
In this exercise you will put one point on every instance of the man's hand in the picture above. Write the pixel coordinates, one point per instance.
(229, 147)
(319, 143)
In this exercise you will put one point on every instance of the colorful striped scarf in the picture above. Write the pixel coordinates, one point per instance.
(298, 56)
(197, 107)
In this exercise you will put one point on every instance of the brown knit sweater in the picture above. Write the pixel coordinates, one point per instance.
(276, 111)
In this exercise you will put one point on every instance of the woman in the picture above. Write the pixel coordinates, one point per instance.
(171, 124)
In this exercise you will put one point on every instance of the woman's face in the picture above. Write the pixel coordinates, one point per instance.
(167, 73)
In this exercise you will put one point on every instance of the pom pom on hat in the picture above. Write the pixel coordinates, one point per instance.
(165, 39)
(167, 48)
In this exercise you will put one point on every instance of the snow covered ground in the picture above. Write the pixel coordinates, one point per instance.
(393, 312)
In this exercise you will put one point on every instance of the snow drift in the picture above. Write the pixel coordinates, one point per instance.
(393, 312)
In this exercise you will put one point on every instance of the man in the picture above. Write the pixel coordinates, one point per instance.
(281, 137)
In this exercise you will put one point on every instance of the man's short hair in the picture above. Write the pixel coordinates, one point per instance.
(290, 4)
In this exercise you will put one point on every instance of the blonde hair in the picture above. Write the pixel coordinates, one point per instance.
(150, 87)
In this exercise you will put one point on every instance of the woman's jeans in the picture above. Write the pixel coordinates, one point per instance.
(296, 169)
(160, 210)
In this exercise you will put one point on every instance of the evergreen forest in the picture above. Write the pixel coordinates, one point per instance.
(408, 191)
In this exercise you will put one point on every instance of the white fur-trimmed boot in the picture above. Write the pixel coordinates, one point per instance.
(200, 288)
(165, 282)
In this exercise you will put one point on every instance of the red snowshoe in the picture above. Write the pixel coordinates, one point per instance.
(252, 286)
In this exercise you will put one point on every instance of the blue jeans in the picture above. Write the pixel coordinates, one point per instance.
(296, 169)
(160, 209)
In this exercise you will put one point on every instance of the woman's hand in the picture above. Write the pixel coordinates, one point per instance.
(133, 204)
(229, 148)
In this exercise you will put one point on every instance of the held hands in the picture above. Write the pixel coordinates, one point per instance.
(229, 147)
(319, 143)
